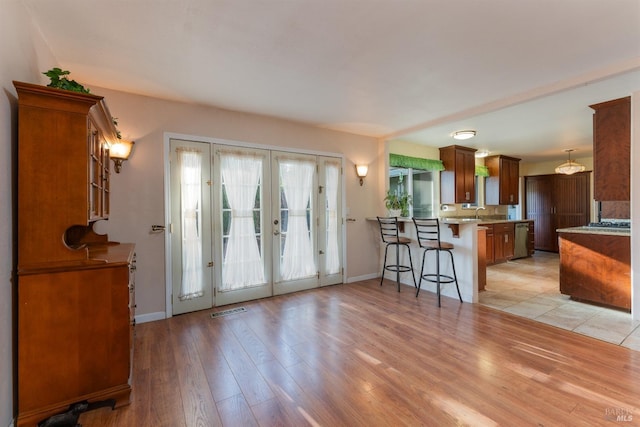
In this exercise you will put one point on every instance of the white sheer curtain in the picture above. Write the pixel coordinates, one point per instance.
(242, 264)
(296, 178)
(332, 260)
(190, 167)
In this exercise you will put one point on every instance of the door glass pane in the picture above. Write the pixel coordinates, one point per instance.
(243, 265)
(190, 166)
(296, 246)
(332, 256)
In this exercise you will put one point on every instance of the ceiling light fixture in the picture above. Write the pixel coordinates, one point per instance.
(482, 153)
(570, 167)
(464, 134)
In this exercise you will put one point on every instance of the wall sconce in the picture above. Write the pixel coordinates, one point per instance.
(119, 152)
(361, 171)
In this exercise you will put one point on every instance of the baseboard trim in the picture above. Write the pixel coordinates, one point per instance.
(363, 277)
(150, 317)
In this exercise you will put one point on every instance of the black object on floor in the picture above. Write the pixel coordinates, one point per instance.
(70, 417)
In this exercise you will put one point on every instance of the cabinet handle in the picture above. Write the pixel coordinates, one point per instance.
(466, 196)
(506, 238)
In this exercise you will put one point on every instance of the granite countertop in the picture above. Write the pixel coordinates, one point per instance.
(608, 231)
(462, 220)
(483, 220)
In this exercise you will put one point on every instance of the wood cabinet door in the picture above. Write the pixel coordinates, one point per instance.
(490, 252)
(457, 181)
(512, 176)
(465, 177)
(612, 150)
(502, 186)
(571, 201)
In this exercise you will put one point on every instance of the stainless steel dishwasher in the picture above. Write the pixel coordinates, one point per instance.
(520, 249)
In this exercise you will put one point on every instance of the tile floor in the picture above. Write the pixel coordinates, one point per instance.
(528, 287)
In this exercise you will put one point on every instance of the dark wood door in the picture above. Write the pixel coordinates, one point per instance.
(556, 201)
(539, 208)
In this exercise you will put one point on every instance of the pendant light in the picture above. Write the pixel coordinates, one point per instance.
(570, 167)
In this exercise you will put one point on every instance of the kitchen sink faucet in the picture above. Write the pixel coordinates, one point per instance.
(477, 209)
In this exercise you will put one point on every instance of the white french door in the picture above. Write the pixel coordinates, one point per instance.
(254, 223)
(295, 206)
(241, 217)
(190, 229)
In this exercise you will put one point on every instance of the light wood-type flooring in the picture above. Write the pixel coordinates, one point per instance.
(365, 355)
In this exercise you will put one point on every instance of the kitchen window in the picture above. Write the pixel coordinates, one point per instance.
(419, 185)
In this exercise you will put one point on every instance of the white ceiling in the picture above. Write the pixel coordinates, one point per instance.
(520, 72)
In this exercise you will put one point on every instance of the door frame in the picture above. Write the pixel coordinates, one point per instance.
(232, 143)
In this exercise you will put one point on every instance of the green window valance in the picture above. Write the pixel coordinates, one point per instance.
(400, 161)
(482, 170)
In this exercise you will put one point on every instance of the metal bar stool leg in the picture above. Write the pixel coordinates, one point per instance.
(438, 275)
(413, 274)
(384, 264)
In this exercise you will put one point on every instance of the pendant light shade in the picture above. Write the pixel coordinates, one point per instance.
(570, 167)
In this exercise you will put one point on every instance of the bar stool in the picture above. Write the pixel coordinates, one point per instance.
(428, 235)
(389, 233)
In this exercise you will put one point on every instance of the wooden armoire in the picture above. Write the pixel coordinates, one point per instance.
(75, 287)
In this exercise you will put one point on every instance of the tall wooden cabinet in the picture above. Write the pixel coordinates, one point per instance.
(612, 150)
(556, 201)
(502, 184)
(75, 287)
(457, 181)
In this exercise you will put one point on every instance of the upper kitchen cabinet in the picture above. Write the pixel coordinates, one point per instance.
(612, 150)
(502, 183)
(457, 181)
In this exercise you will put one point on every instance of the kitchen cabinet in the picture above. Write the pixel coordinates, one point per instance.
(457, 181)
(556, 201)
(503, 235)
(596, 267)
(612, 150)
(502, 184)
(75, 288)
(500, 241)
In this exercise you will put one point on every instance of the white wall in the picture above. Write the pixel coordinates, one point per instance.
(22, 57)
(137, 193)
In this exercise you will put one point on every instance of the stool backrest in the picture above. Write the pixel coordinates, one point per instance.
(427, 232)
(389, 229)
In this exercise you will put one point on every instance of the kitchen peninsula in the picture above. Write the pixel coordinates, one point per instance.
(595, 265)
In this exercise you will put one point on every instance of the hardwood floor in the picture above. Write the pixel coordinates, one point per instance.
(365, 355)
